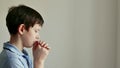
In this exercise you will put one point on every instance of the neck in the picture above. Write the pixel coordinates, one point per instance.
(15, 40)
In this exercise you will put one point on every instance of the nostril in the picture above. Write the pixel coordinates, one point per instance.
(37, 37)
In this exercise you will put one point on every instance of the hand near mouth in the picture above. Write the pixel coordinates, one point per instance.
(41, 43)
(40, 52)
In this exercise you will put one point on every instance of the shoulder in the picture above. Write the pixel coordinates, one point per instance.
(9, 54)
(14, 63)
(10, 60)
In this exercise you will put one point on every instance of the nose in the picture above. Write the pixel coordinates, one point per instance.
(38, 37)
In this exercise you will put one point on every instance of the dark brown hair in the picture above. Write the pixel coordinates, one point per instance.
(22, 15)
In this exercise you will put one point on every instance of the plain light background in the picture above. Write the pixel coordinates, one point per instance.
(81, 33)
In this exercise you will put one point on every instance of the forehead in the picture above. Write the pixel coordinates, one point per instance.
(37, 26)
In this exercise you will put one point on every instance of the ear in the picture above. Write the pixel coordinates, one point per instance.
(21, 29)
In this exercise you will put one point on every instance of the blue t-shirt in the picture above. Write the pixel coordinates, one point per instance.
(11, 57)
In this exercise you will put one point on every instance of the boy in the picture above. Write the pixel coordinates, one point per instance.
(24, 24)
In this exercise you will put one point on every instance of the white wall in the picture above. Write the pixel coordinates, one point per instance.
(118, 37)
(96, 33)
(60, 33)
(81, 33)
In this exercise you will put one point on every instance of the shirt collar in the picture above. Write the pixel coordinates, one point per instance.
(14, 49)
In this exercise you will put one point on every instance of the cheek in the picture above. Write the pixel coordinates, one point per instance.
(28, 39)
(31, 38)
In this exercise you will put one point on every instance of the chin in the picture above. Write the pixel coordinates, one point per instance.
(29, 46)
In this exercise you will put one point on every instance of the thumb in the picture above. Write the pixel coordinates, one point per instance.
(35, 45)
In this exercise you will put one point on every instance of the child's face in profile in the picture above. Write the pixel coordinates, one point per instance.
(30, 36)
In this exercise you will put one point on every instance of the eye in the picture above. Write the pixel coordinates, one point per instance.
(36, 31)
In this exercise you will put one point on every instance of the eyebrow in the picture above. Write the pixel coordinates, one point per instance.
(37, 29)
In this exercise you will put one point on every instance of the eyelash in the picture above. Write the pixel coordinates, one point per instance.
(36, 31)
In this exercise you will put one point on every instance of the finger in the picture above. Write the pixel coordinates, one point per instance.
(45, 45)
(48, 48)
(42, 43)
(35, 45)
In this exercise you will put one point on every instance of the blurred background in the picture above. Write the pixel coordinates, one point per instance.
(81, 33)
